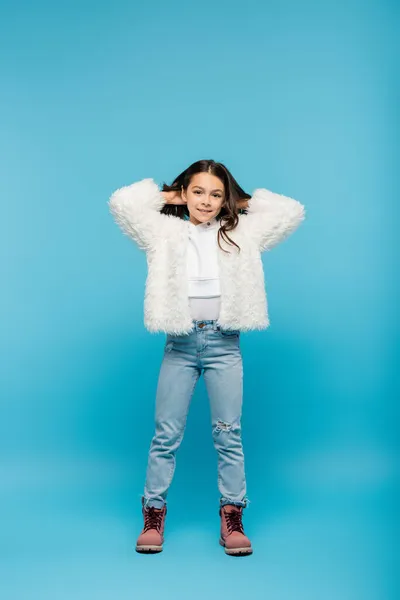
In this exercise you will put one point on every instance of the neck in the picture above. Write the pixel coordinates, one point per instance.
(194, 221)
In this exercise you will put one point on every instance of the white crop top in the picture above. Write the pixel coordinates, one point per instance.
(202, 260)
(202, 269)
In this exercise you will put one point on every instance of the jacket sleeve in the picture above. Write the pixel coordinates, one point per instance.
(271, 218)
(136, 209)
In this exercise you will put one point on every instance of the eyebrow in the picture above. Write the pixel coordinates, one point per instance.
(216, 189)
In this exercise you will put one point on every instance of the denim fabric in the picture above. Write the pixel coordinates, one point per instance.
(217, 354)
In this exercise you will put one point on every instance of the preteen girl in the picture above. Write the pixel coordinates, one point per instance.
(203, 237)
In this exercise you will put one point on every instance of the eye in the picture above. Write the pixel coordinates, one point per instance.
(197, 191)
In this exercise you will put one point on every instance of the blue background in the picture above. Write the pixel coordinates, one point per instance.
(297, 97)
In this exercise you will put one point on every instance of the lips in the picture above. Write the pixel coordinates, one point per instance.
(206, 212)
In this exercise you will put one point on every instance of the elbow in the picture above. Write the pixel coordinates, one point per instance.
(295, 214)
(115, 201)
(301, 213)
(296, 218)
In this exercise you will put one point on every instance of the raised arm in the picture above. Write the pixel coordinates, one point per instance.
(271, 217)
(136, 209)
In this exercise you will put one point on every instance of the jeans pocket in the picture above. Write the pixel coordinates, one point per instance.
(229, 333)
(168, 345)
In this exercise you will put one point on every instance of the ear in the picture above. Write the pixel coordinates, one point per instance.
(183, 195)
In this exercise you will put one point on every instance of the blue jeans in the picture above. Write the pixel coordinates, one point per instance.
(217, 353)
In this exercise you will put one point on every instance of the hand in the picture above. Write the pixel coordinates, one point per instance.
(173, 197)
(242, 203)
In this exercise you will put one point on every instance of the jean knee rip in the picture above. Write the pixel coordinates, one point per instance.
(224, 426)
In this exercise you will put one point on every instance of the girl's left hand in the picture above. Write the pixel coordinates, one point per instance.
(242, 203)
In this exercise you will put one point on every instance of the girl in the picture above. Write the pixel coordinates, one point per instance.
(203, 236)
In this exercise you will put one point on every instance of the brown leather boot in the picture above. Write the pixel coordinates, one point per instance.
(232, 535)
(151, 538)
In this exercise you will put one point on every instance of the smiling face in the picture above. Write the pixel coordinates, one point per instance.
(204, 196)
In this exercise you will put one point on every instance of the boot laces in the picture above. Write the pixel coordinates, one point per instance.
(152, 519)
(234, 521)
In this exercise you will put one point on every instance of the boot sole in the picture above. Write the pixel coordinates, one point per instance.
(149, 549)
(236, 551)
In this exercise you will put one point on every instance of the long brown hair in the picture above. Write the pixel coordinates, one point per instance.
(228, 216)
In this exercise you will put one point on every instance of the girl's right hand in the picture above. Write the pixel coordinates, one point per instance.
(173, 197)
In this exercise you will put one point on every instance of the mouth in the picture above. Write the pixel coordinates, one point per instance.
(206, 212)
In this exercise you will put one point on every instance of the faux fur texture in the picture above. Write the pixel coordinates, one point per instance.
(270, 219)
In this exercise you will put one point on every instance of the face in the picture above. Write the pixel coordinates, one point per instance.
(204, 196)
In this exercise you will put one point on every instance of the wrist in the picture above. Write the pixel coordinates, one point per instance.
(243, 203)
(167, 197)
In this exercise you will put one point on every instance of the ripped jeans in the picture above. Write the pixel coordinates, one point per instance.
(217, 353)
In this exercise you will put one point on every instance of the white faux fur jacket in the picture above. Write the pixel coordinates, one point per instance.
(270, 219)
